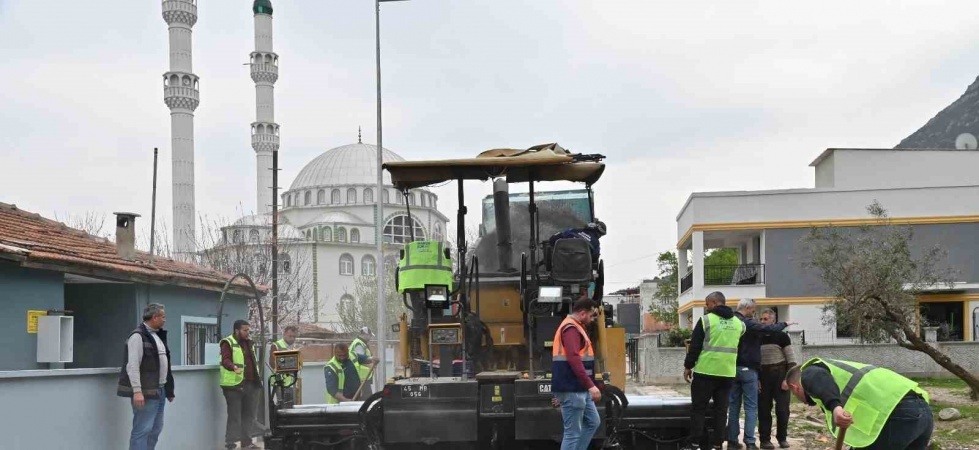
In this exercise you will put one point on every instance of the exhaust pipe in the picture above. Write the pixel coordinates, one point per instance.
(501, 206)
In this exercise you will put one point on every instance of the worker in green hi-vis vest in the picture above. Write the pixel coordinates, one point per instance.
(880, 409)
(361, 351)
(710, 367)
(288, 342)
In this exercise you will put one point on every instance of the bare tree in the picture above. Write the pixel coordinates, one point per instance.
(248, 249)
(875, 279)
(361, 311)
(90, 222)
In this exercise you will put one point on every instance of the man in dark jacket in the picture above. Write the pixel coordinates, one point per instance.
(342, 378)
(777, 357)
(745, 385)
(146, 377)
(710, 368)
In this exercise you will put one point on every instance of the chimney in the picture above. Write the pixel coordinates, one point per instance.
(126, 235)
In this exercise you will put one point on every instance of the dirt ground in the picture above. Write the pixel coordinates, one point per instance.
(807, 429)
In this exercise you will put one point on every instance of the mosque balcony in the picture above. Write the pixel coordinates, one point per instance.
(267, 72)
(262, 140)
(181, 97)
(182, 12)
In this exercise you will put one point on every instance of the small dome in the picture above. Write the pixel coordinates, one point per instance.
(290, 232)
(286, 230)
(256, 220)
(339, 217)
(262, 7)
(354, 164)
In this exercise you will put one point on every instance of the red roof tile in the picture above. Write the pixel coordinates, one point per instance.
(35, 241)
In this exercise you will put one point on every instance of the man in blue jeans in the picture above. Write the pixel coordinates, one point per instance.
(572, 373)
(146, 377)
(746, 382)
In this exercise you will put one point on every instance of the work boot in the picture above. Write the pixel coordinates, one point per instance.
(783, 444)
(751, 446)
(733, 446)
(767, 445)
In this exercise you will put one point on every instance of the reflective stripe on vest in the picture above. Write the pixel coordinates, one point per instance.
(362, 369)
(334, 366)
(587, 352)
(719, 356)
(228, 377)
(868, 393)
(424, 263)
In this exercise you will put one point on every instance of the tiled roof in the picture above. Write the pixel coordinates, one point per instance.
(35, 241)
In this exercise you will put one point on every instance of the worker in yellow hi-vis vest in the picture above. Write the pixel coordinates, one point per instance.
(360, 351)
(878, 408)
(710, 367)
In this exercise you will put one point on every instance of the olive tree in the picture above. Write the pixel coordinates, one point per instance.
(875, 278)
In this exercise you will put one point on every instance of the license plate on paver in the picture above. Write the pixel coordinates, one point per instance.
(544, 388)
(414, 391)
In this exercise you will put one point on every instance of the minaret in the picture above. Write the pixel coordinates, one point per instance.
(265, 132)
(181, 96)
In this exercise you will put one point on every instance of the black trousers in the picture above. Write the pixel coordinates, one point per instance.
(242, 401)
(703, 389)
(771, 378)
(909, 426)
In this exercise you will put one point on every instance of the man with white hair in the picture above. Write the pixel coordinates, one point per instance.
(746, 383)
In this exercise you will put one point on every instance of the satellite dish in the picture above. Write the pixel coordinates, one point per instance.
(966, 141)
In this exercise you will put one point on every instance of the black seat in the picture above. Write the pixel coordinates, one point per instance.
(571, 261)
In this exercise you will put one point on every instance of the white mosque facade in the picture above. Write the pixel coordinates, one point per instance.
(327, 217)
(327, 225)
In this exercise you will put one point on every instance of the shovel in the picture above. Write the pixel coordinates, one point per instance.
(364, 381)
(841, 435)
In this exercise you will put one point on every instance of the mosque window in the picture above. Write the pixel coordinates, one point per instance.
(335, 197)
(398, 229)
(351, 196)
(346, 264)
(308, 199)
(237, 237)
(385, 196)
(347, 301)
(320, 197)
(341, 234)
(437, 233)
(326, 234)
(253, 236)
(367, 266)
(411, 198)
(368, 196)
(354, 235)
(285, 263)
(422, 198)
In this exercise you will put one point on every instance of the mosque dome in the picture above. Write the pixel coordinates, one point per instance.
(354, 164)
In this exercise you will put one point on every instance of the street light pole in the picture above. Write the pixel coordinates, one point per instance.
(380, 377)
(381, 374)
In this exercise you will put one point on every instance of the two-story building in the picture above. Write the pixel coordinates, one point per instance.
(934, 191)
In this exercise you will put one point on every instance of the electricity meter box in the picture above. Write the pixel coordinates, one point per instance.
(55, 339)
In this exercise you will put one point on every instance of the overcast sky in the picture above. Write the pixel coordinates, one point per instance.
(681, 96)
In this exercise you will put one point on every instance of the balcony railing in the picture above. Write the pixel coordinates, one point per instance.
(734, 275)
(686, 282)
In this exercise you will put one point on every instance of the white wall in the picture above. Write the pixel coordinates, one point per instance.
(810, 204)
(863, 169)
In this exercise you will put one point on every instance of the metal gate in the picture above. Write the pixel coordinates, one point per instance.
(632, 352)
(195, 336)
